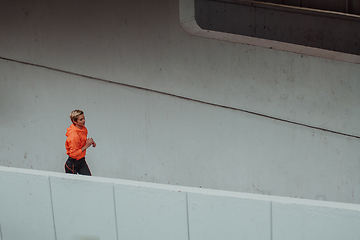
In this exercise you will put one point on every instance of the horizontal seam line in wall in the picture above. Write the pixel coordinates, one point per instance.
(181, 97)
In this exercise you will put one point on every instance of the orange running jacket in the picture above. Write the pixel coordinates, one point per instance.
(76, 139)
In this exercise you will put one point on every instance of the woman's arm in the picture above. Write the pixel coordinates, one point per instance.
(88, 143)
(72, 146)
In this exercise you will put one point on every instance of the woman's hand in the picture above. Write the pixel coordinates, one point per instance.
(94, 144)
(88, 143)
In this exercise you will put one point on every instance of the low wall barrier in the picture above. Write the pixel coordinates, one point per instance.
(48, 205)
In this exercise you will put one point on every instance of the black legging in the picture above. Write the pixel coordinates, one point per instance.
(77, 166)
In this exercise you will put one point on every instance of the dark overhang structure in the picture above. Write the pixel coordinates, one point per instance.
(328, 29)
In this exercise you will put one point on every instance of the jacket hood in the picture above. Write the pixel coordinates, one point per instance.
(73, 128)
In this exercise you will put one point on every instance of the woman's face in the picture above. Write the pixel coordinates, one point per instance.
(80, 123)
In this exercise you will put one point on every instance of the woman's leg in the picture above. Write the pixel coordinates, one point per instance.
(84, 168)
(69, 166)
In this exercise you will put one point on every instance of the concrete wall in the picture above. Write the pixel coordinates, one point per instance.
(168, 107)
(47, 205)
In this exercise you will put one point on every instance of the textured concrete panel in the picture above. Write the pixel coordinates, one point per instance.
(153, 137)
(329, 221)
(25, 206)
(157, 138)
(148, 213)
(223, 217)
(83, 208)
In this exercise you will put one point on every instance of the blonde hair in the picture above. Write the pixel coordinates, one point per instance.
(75, 114)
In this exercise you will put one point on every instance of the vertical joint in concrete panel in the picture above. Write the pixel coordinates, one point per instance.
(116, 223)
(187, 216)
(52, 208)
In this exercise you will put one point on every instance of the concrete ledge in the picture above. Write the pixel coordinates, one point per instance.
(305, 221)
(48, 205)
(25, 205)
(228, 217)
(150, 213)
(83, 209)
